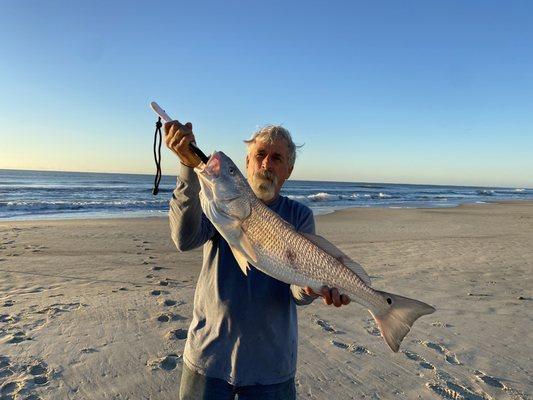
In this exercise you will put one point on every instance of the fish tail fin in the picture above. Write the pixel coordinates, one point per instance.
(396, 319)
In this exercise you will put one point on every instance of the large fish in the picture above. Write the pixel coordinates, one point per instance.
(259, 237)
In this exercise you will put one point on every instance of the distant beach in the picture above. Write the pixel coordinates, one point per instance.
(99, 309)
(65, 195)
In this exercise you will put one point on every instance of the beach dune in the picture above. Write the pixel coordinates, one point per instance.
(99, 308)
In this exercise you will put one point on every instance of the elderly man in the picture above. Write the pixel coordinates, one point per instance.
(243, 336)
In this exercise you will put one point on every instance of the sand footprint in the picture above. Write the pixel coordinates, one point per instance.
(167, 363)
(10, 389)
(179, 334)
(5, 369)
(88, 350)
(4, 361)
(371, 327)
(421, 361)
(489, 380)
(26, 378)
(447, 388)
(18, 337)
(437, 347)
(441, 324)
(167, 317)
(5, 372)
(353, 348)
(6, 318)
(449, 357)
(170, 303)
(163, 318)
(39, 372)
(496, 383)
(9, 303)
(59, 308)
(326, 326)
(35, 248)
(452, 391)
(452, 359)
(340, 345)
(356, 349)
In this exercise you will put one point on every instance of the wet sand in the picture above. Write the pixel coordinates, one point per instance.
(98, 309)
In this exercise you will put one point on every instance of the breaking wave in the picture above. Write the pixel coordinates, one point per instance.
(330, 197)
(485, 192)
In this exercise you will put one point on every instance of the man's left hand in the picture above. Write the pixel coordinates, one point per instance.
(329, 296)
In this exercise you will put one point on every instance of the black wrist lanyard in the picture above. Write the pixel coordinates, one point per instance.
(157, 155)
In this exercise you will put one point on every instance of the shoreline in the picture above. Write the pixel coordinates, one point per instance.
(164, 216)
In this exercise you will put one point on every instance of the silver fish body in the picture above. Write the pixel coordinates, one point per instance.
(291, 257)
(260, 237)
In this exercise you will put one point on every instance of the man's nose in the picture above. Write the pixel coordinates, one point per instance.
(267, 163)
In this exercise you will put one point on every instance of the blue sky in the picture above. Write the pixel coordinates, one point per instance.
(413, 92)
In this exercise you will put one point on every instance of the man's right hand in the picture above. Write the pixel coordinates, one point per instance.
(177, 138)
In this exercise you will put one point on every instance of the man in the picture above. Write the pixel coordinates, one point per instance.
(243, 336)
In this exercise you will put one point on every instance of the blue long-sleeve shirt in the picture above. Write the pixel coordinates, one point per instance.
(244, 328)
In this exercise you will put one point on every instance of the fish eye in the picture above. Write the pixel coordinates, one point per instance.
(231, 171)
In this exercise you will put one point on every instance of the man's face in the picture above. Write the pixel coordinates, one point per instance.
(267, 168)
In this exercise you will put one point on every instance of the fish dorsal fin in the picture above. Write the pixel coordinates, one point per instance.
(335, 252)
(244, 253)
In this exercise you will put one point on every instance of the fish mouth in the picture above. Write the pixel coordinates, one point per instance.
(209, 171)
(212, 168)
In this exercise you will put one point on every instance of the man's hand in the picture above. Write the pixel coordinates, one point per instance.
(329, 296)
(177, 138)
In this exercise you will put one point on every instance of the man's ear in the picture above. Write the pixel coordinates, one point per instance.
(290, 171)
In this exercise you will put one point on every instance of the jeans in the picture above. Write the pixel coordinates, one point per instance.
(195, 386)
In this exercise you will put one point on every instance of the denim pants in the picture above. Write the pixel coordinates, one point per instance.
(195, 386)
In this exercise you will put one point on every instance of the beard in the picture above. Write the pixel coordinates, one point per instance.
(264, 184)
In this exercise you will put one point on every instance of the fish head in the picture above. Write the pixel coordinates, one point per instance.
(225, 193)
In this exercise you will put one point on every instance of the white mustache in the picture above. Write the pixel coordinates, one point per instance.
(266, 175)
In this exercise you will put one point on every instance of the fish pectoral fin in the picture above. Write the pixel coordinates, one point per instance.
(334, 251)
(248, 249)
(241, 259)
(244, 253)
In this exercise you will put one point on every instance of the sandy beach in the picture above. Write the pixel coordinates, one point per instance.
(99, 309)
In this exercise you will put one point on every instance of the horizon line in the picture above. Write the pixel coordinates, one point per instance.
(294, 180)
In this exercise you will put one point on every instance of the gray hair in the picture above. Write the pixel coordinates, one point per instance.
(269, 134)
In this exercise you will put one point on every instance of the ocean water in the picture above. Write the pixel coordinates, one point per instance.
(42, 195)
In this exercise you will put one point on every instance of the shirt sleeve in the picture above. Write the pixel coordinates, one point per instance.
(189, 227)
(306, 224)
